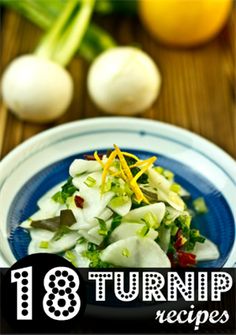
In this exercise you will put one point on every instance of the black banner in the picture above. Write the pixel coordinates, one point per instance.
(44, 293)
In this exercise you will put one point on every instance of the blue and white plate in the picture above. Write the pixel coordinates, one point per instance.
(43, 161)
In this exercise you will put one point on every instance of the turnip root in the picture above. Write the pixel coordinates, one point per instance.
(36, 89)
(124, 80)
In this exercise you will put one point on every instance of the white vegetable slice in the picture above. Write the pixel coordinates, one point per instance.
(172, 199)
(66, 242)
(135, 252)
(159, 181)
(94, 202)
(26, 224)
(50, 206)
(80, 166)
(163, 190)
(206, 251)
(123, 209)
(173, 213)
(94, 236)
(126, 230)
(136, 215)
(80, 260)
(87, 225)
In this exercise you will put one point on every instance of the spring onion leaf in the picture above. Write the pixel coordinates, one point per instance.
(67, 190)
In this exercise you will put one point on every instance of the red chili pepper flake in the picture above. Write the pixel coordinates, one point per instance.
(179, 239)
(186, 259)
(91, 157)
(79, 201)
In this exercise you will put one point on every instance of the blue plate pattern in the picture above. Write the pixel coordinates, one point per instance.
(217, 224)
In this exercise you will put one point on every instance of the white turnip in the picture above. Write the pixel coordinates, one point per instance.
(37, 87)
(124, 80)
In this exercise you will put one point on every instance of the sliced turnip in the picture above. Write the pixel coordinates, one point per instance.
(94, 201)
(122, 209)
(206, 251)
(81, 261)
(158, 180)
(49, 206)
(135, 252)
(126, 230)
(138, 214)
(94, 234)
(162, 186)
(80, 166)
(40, 236)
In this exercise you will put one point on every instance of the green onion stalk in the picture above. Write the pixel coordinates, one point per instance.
(37, 87)
(43, 13)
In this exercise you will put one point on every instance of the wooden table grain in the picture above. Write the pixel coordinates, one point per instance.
(198, 89)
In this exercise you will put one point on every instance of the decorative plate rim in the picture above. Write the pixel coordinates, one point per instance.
(210, 148)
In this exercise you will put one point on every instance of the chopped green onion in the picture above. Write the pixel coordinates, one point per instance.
(151, 220)
(174, 230)
(107, 186)
(44, 244)
(95, 261)
(58, 198)
(120, 189)
(81, 240)
(70, 255)
(67, 190)
(168, 174)
(143, 231)
(200, 205)
(91, 247)
(103, 228)
(175, 188)
(90, 181)
(119, 201)
(159, 169)
(125, 252)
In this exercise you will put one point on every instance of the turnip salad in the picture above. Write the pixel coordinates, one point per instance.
(117, 210)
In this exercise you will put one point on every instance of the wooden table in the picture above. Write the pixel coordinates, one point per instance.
(198, 91)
